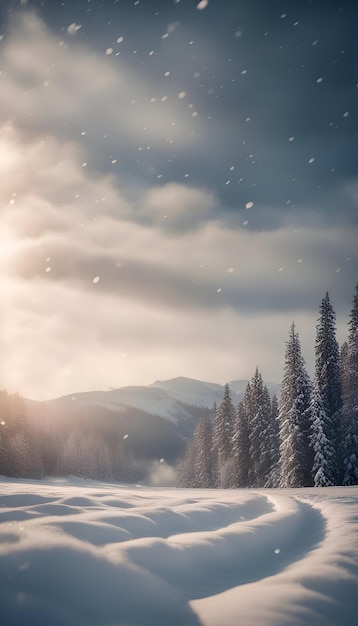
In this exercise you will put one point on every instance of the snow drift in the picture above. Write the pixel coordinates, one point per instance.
(76, 553)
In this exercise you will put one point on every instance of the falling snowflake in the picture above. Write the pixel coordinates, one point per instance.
(181, 95)
(73, 28)
(96, 280)
(202, 5)
(249, 205)
(109, 51)
(311, 160)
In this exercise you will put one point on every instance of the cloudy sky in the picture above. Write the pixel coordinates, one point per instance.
(179, 182)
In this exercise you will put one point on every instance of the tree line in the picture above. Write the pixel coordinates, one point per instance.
(307, 437)
(34, 444)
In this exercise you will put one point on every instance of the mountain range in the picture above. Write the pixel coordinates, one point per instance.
(171, 399)
(155, 420)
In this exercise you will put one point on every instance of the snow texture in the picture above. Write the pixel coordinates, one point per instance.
(75, 553)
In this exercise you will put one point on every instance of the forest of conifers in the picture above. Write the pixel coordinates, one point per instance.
(308, 437)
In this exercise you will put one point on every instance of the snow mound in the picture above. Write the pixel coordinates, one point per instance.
(75, 552)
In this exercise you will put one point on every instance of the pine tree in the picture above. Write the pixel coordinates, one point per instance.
(186, 470)
(204, 460)
(259, 431)
(273, 445)
(350, 407)
(222, 439)
(324, 461)
(241, 445)
(344, 367)
(328, 359)
(328, 373)
(295, 455)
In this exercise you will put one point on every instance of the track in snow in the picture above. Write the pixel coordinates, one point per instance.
(78, 553)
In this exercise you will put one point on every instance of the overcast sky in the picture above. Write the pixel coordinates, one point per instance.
(179, 182)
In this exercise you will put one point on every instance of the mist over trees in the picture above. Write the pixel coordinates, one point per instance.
(309, 437)
(306, 437)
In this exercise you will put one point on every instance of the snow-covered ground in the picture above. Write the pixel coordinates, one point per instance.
(81, 553)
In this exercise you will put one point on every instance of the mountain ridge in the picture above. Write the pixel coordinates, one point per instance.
(164, 398)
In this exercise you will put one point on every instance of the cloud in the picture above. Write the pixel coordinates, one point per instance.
(109, 280)
(64, 85)
(177, 208)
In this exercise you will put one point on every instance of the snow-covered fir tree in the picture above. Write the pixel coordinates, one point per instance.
(259, 432)
(328, 359)
(241, 443)
(273, 445)
(222, 439)
(186, 469)
(327, 372)
(344, 367)
(350, 405)
(295, 455)
(324, 459)
(204, 458)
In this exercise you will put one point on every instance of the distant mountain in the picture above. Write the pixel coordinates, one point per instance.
(156, 421)
(171, 399)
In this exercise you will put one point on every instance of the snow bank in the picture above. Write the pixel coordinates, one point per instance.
(77, 553)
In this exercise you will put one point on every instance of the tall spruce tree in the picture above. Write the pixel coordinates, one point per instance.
(273, 445)
(204, 458)
(324, 455)
(186, 469)
(222, 439)
(328, 359)
(350, 407)
(259, 430)
(241, 443)
(344, 366)
(295, 453)
(328, 374)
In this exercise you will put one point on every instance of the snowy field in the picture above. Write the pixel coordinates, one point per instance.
(81, 553)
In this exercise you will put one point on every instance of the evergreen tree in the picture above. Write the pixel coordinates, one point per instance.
(324, 461)
(273, 445)
(241, 445)
(344, 367)
(328, 359)
(295, 456)
(328, 373)
(222, 439)
(350, 407)
(241, 442)
(259, 432)
(204, 461)
(186, 469)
